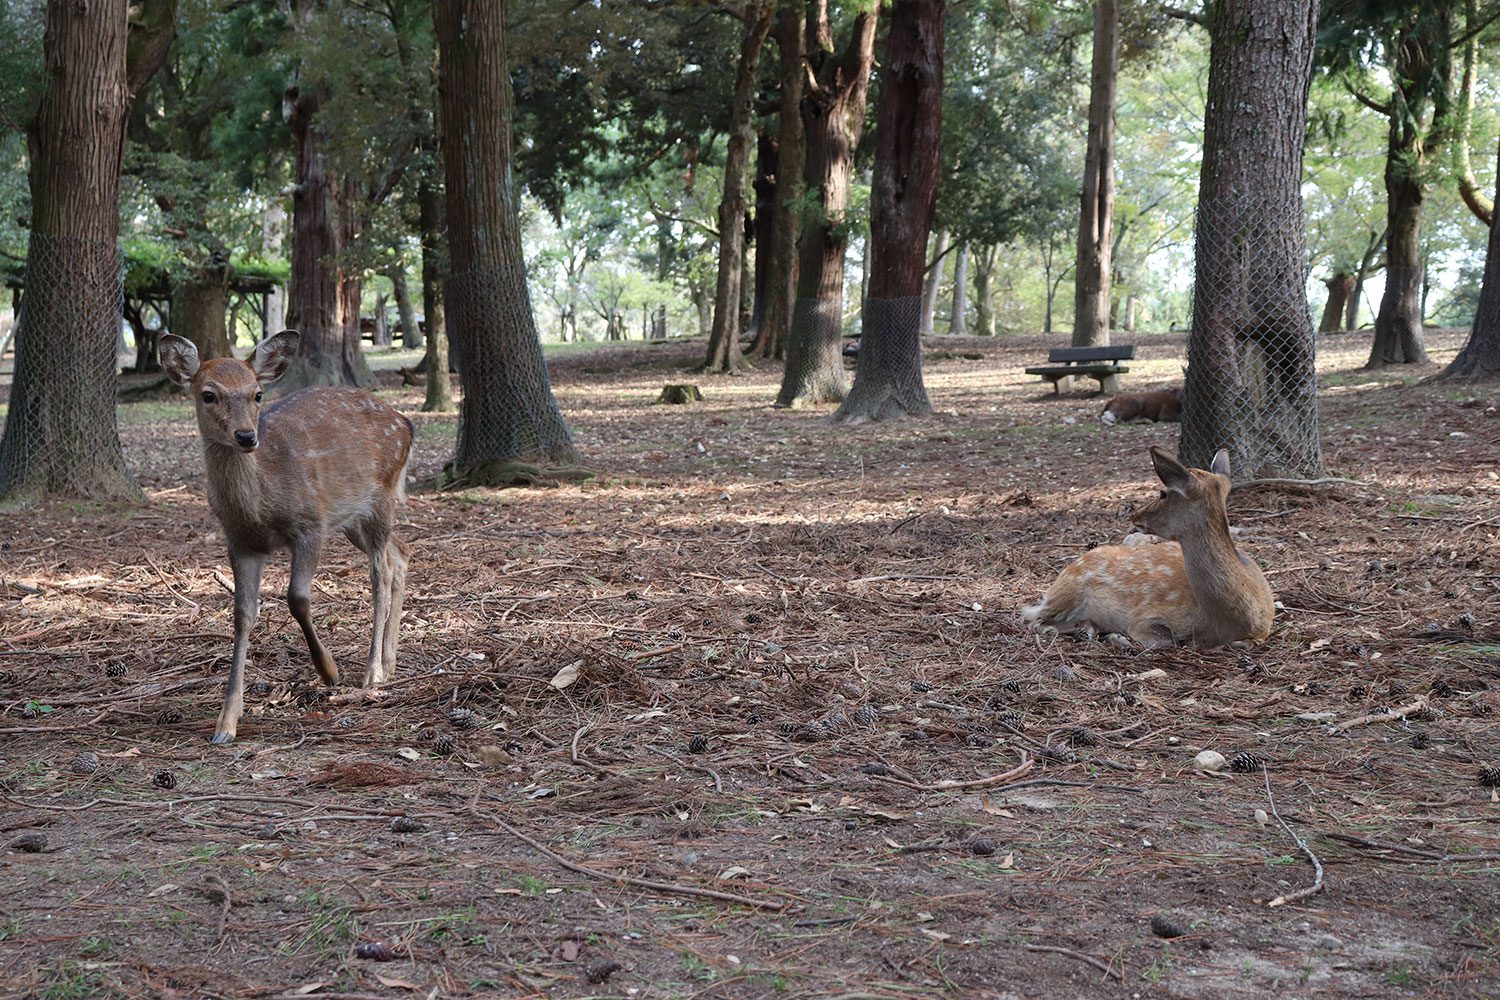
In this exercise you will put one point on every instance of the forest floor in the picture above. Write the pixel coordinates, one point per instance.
(732, 589)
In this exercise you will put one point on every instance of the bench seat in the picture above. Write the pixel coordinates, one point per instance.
(1105, 375)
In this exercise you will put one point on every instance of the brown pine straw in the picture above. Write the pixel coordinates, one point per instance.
(670, 888)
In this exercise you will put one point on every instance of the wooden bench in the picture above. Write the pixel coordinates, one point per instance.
(1097, 363)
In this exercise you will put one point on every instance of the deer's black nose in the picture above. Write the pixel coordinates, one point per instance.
(245, 439)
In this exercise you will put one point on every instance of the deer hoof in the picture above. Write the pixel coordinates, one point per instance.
(222, 739)
(1119, 641)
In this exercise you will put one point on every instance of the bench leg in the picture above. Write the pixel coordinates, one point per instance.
(1109, 385)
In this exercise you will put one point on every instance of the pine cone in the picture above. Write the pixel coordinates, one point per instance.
(982, 847)
(1358, 693)
(838, 722)
(789, 728)
(867, 715)
(115, 668)
(86, 762)
(810, 733)
(444, 745)
(169, 716)
(1246, 763)
(1061, 755)
(920, 686)
(463, 718)
(405, 824)
(375, 951)
(753, 719)
(1082, 736)
(1011, 686)
(978, 741)
(1489, 776)
(1399, 689)
(260, 688)
(1420, 740)
(698, 744)
(164, 779)
(1010, 717)
(1164, 926)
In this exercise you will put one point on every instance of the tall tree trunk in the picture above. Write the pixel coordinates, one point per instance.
(1251, 384)
(791, 157)
(833, 112)
(319, 296)
(724, 340)
(1130, 306)
(934, 281)
(273, 226)
(1366, 264)
(60, 431)
(509, 423)
(1096, 218)
(984, 293)
(958, 319)
(1340, 287)
(1420, 68)
(765, 213)
(411, 332)
(432, 222)
(1480, 355)
(908, 138)
(200, 301)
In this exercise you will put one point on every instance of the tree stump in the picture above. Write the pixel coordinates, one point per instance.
(679, 394)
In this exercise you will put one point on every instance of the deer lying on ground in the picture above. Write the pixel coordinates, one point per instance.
(1165, 404)
(321, 460)
(1194, 588)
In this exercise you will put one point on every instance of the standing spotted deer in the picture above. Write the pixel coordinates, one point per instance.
(285, 477)
(1194, 588)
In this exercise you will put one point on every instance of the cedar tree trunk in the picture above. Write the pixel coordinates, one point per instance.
(908, 142)
(1340, 287)
(934, 281)
(958, 317)
(791, 156)
(1251, 385)
(60, 431)
(411, 332)
(434, 256)
(509, 423)
(724, 339)
(200, 302)
(833, 113)
(1481, 353)
(1096, 218)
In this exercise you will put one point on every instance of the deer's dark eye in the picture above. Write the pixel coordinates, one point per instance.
(209, 397)
(258, 395)
(1163, 494)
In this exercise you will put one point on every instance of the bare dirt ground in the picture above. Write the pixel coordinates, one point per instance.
(1004, 819)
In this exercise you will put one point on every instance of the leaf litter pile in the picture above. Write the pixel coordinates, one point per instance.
(751, 714)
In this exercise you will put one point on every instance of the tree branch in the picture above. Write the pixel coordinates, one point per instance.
(1368, 101)
(151, 32)
(1192, 17)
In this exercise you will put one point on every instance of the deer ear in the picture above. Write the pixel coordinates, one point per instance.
(1173, 474)
(1220, 464)
(179, 358)
(274, 355)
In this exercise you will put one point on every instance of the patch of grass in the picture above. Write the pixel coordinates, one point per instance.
(70, 981)
(449, 926)
(95, 947)
(10, 928)
(696, 967)
(332, 928)
(531, 885)
(1401, 975)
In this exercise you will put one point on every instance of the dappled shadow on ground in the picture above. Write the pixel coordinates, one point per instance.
(801, 680)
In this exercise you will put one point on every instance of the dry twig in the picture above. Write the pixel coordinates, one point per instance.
(1103, 967)
(1317, 885)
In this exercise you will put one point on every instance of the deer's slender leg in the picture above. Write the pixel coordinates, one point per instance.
(372, 539)
(247, 569)
(398, 555)
(305, 554)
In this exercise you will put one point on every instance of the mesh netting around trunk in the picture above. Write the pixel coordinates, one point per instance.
(61, 434)
(888, 380)
(508, 410)
(1251, 379)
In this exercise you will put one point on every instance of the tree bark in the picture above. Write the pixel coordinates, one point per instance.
(791, 157)
(273, 223)
(724, 339)
(1417, 61)
(200, 301)
(431, 221)
(765, 213)
(1096, 217)
(60, 431)
(411, 331)
(1480, 355)
(321, 305)
(509, 423)
(1251, 385)
(1366, 265)
(984, 293)
(1340, 287)
(908, 139)
(934, 281)
(833, 113)
(958, 318)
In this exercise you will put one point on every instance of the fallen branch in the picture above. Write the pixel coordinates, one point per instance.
(671, 888)
(1390, 716)
(1329, 481)
(949, 785)
(1416, 855)
(1103, 967)
(1317, 885)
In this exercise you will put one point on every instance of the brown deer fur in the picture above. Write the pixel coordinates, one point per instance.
(287, 476)
(1163, 405)
(1194, 588)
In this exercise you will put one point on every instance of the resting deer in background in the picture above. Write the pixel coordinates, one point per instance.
(321, 460)
(1195, 587)
(1163, 405)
